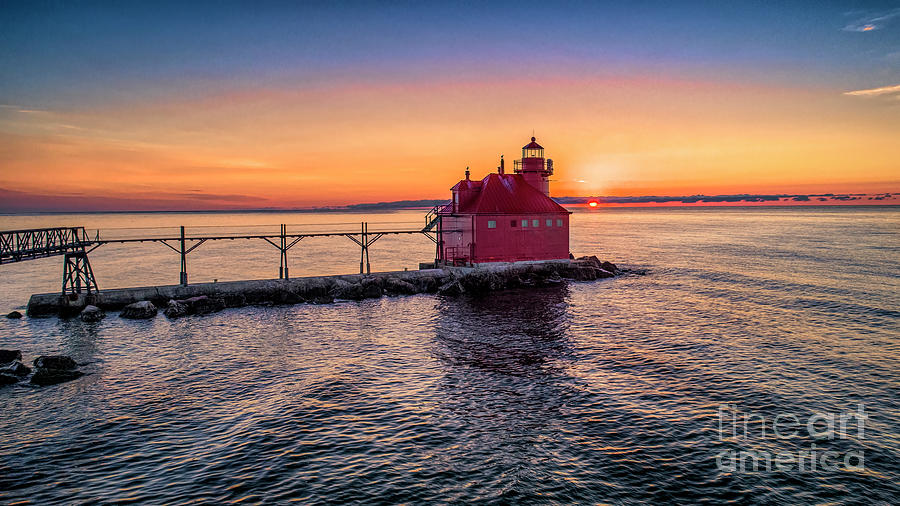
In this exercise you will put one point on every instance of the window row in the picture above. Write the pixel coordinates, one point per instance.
(534, 223)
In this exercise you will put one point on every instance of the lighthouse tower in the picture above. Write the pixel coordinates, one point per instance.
(534, 168)
(504, 217)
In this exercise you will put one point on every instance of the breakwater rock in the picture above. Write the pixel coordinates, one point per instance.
(91, 314)
(142, 310)
(193, 306)
(204, 298)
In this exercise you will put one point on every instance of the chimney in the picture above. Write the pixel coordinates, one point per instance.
(502, 169)
(467, 173)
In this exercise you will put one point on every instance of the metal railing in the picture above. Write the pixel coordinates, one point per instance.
(433, 217)
(19, 245)
(75, 244)
(546, 166)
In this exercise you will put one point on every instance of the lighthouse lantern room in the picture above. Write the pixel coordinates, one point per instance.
(505, 217)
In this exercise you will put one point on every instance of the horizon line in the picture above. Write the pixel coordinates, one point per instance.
(697, 200)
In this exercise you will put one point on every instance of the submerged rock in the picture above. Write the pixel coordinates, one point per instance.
(8, 379)
(45, 377)
(53, 369)
(56, 362)
(14, 315)
(91, 314)
(139, 310)
(9, 356)
(12, 369)
(16, 368)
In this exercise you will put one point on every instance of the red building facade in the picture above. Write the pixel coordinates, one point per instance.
(505, 217)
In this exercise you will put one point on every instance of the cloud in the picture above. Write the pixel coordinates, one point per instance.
(872, 21)
(22, 109)
(227, 197)
(875, 92)
(15, 201)
(779, 199)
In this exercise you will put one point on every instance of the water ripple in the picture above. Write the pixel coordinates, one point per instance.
(606, 391)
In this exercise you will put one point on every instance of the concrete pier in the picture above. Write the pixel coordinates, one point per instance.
(325, 289)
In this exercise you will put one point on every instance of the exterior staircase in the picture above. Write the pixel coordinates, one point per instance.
(433, 217)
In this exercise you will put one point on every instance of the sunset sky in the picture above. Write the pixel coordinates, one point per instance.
(254, 105)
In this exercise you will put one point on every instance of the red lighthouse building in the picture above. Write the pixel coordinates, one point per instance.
(505, 217)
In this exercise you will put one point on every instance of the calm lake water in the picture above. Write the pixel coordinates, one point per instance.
(607, 391)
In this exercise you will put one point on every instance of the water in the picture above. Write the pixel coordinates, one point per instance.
(605, 391)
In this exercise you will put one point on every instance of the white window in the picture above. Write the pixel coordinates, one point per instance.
(524, 223)
(558, 223)
(492, 224)
(535, 223)
(549, 223)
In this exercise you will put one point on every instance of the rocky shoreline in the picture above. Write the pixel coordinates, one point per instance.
(203, 298)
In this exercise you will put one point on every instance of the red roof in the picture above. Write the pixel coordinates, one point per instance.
(533, 145)
(467, 184)
(506, 194)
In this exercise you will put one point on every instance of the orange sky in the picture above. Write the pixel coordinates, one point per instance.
(308, 146)
(193, 105)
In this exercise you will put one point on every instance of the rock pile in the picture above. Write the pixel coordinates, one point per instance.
(479, 281)
(48, 369)
(193, 306)
(205, 298)
(12, 369)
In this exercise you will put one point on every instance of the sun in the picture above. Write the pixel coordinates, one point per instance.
(593, 203)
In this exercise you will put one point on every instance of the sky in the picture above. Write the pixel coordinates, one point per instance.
(193, 105)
